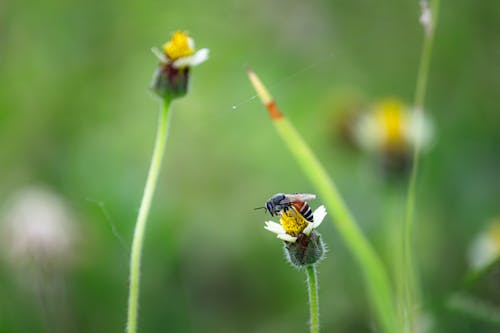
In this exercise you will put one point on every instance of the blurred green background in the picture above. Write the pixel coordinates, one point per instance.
(76, 116)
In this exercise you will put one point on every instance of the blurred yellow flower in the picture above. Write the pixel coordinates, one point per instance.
(180, 45)
(391, 117)
(180, 52)
(390, 125)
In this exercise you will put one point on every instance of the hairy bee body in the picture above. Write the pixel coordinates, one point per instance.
(282, 202)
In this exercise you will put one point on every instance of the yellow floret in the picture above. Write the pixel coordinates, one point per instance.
(494, 233)
(293, 222)
(179, 46)
(392, 117)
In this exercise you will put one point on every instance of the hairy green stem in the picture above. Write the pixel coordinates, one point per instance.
(140, 226)
(423, 72)
(312, 284)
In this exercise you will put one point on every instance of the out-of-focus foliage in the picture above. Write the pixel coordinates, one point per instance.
(76, 117)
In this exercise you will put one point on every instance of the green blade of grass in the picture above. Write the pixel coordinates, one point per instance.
(375, 275)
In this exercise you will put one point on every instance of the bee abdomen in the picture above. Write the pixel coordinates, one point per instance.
(304, 210)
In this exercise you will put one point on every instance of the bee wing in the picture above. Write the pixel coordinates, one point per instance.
(300, 197)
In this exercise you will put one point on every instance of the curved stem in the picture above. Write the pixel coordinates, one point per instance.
(140, 226)
(312, 284)
(423, 71)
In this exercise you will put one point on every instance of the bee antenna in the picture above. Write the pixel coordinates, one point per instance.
(261, 208)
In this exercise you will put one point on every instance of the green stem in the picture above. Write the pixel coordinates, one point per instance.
(375, 274)
(425, 59)
(392, 231)
(140, 226)
(312, 284)
(423, 72)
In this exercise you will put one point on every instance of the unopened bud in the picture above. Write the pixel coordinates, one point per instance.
(306, 250)
(170, 82)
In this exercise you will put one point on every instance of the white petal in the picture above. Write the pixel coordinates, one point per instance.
(192, 60)
(274, 227)
(426, 17)
(287, 237)
(191, 43)
(419, 129)
(307, 230)
(160, 55)
(200, 56)
(482, 251)
(318, 216)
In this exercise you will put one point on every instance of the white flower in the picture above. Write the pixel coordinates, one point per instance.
(390, 125)
(180, 52)
(37, 226)
(486, 246)
(426, 16)
(318, 217)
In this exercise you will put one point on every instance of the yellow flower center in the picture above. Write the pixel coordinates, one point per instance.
(293, 222)
(180, 45)
(391, 117)
(494, 233)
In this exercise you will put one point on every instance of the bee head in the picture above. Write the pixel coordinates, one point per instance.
(276, 204)
(270, 207)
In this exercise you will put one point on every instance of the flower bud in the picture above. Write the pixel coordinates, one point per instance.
(303, 244)
(306, 250)
(178, 55)
(170, 82)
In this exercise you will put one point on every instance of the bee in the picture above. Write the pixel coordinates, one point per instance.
(283, 202)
